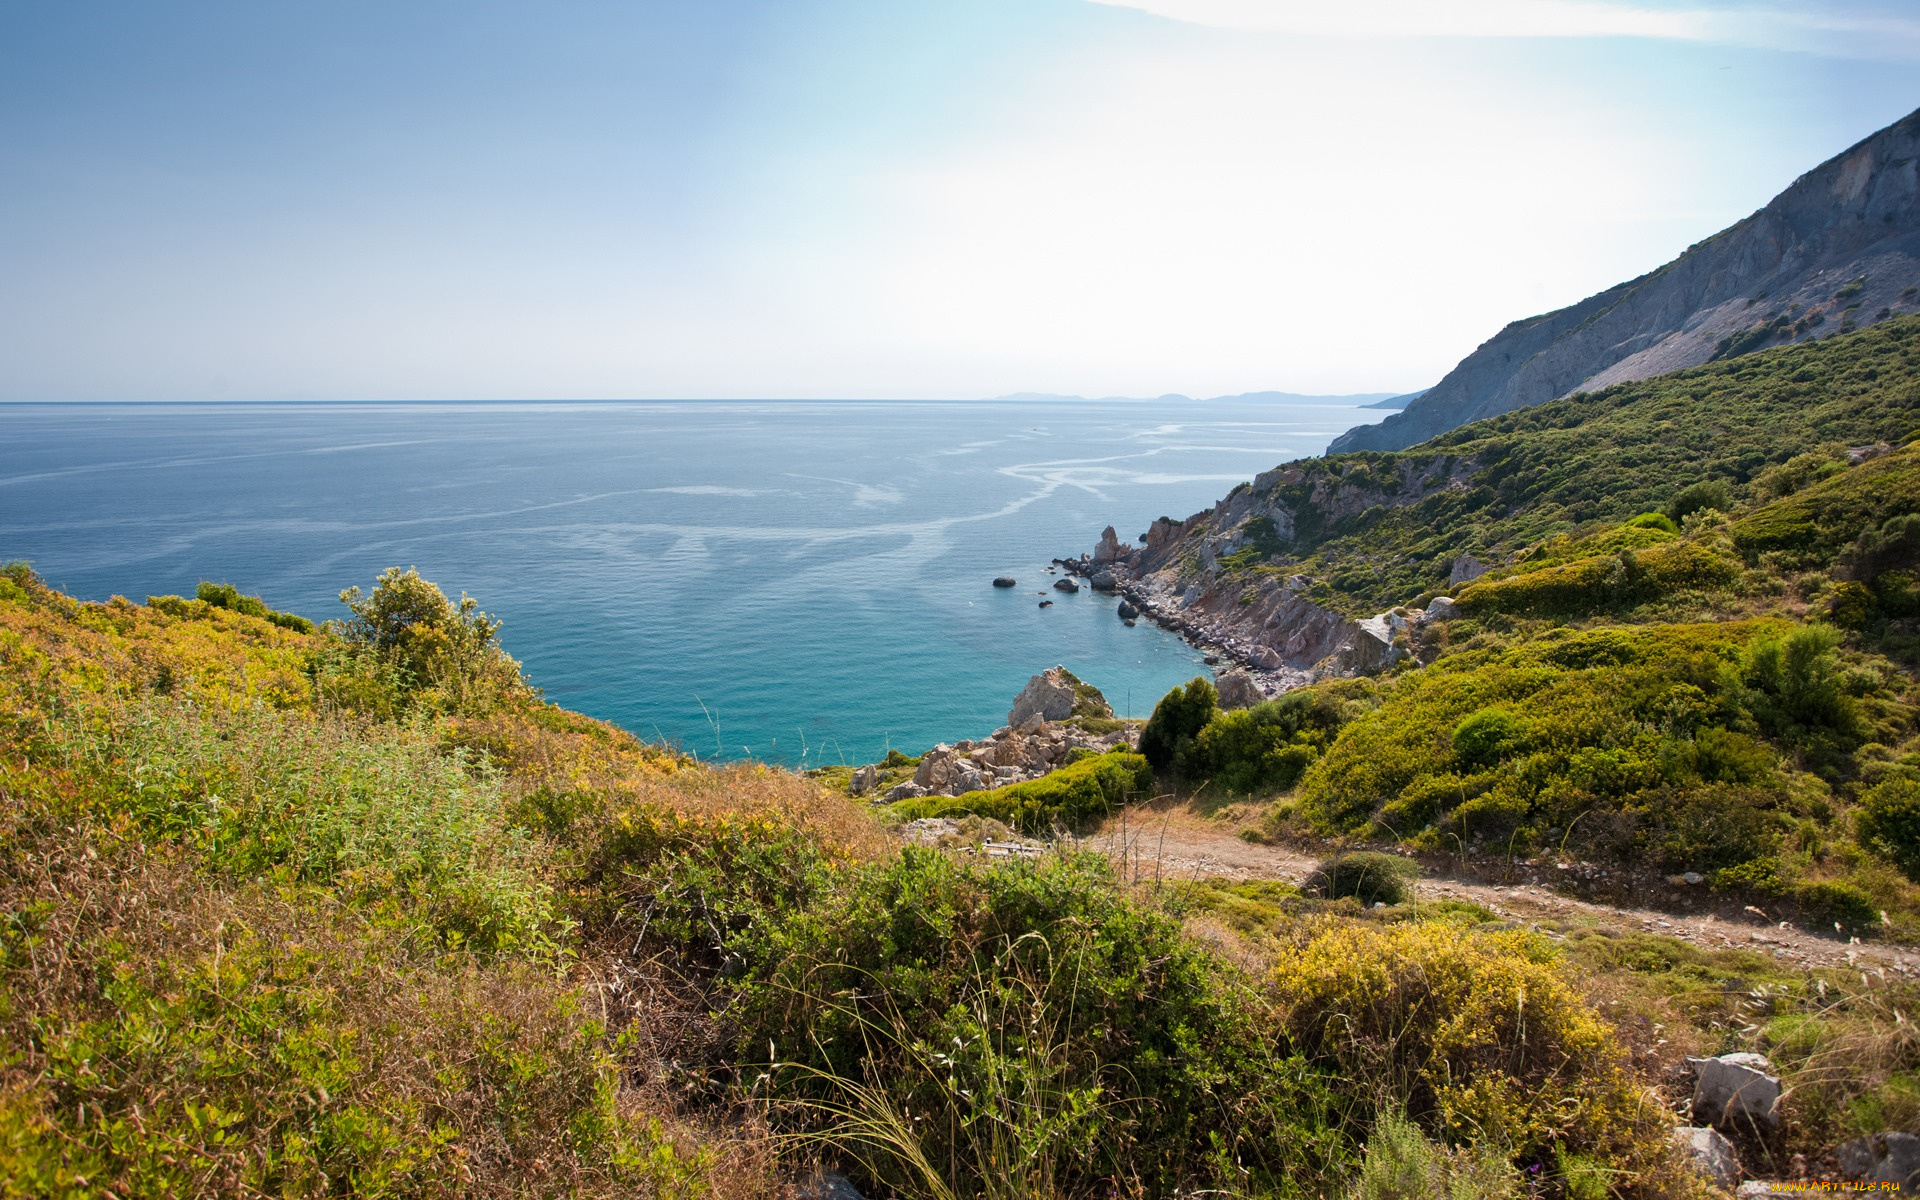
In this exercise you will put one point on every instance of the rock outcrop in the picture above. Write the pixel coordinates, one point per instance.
(1054, 714)
(1736, 1090)
(1048, 695)
(1838, 248)
(1188, 577)
(1237, 689)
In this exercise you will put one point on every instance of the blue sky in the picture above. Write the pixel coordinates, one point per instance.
(248, 200)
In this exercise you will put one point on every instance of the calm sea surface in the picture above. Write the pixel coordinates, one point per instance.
(802, 582)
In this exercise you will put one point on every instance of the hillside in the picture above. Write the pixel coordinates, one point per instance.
(350, 911)
(1282, 570)
(1839, 249)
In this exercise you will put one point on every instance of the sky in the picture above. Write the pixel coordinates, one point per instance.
(450, 199)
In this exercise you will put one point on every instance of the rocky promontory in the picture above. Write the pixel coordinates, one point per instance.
(1196, 578)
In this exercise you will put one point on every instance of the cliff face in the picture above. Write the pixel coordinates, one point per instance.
(1840, 248)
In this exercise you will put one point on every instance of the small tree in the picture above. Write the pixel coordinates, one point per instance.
(443, 653)
(1889, 821)
(1179, 717)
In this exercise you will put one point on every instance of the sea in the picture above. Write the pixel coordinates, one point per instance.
(801, 582)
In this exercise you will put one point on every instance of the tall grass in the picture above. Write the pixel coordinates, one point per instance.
(377, 810)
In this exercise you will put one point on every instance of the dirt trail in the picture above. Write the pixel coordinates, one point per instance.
(1180, 845)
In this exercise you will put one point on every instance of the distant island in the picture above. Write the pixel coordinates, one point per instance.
(1353, 400)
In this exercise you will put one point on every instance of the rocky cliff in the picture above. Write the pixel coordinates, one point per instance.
(1838, 249)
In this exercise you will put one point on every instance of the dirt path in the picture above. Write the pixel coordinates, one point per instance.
(1179, 845)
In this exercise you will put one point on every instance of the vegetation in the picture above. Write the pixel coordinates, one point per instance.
(262, 935)
(1069, 797)
(1713, 437)
(349, 909)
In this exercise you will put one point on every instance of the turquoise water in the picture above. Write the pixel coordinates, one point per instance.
(802, 582)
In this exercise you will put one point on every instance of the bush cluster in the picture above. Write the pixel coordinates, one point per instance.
(1069, 797)
(1661, 743)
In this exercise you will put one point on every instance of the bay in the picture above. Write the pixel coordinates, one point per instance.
(802, 582)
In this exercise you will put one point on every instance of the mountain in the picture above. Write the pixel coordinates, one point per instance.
(1838, 249)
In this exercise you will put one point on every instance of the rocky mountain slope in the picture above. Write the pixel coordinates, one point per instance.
(1837, 250)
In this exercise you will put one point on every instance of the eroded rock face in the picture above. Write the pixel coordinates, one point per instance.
(1710, 1153)
(1048, 695)
(1853, 218)
(1736, 1088)
(1110, 549)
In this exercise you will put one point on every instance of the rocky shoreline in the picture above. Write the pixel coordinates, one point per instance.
(1263, 627)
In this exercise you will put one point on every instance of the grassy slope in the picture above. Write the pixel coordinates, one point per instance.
(253, 943)
(1593, 459)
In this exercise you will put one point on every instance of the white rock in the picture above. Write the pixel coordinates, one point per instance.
(1441, 608)
(1048, 695)
(1710, 1153)
(1733, 1087)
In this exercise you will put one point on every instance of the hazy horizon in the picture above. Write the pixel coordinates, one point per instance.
(848, 199)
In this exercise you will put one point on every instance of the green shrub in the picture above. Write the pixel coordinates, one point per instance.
(1482, 737)
(1840, 903)
(1793, 691)
(407, 635)
(1266, 747)
(1023, 1029)
(1889, 822)
(1369, 877)
(1636, 744)
(1814, 526)
(1653, 520)
(1401, 1163)
(1714, 494)
(1177, 719)
(225, 595)
(1071, 796)
(1601, 583)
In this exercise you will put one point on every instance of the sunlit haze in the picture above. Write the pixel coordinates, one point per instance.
(951, 198)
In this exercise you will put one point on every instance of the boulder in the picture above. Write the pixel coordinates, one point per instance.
(1709, 1152)
(826, 1185)
(1127, 611)
(1048, 695)
(1046, 604)
(1882, 1158)
(864, 779)
(1109, 550)
(1237, 689)
(1103, 581)
(1441, 608)
(1063, 584)
(905, 791)
(1005, 581)
(1033, 724)
(1736, 1087)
